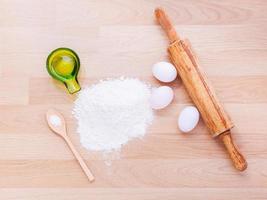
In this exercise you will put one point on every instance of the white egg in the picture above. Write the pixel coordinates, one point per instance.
(161, 97)
(188, 119)
(164, 71)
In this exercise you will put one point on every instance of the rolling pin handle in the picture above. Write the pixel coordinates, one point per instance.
(237, 158)
(166, 24)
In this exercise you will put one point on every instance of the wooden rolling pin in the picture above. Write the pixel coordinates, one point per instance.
(196, 83)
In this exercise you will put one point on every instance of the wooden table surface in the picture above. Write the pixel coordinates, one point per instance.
(114, 38)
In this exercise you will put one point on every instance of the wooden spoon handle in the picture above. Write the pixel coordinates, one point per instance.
(166, 24)
(80, 160)
(237, 158)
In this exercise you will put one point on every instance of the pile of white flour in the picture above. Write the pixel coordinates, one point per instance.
(112, 112)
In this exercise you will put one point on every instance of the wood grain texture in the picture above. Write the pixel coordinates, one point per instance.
(133, 194)
(230, 40)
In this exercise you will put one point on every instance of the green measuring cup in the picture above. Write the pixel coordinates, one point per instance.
(63, 64)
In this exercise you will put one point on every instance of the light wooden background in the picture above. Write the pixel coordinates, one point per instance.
(119, 37)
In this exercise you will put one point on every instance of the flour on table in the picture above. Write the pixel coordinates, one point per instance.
(112, 112)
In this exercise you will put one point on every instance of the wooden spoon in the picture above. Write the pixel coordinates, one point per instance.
(57, 123)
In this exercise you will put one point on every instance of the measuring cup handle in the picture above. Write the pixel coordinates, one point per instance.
(72, 85)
